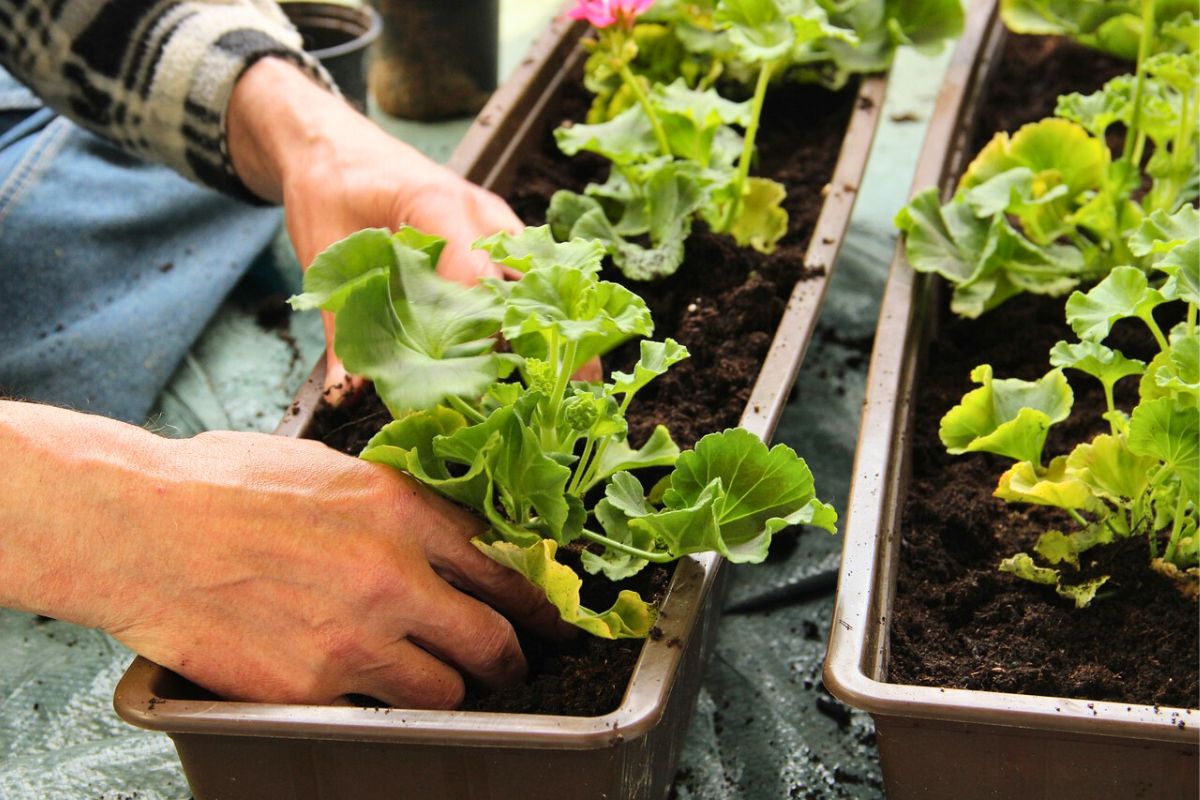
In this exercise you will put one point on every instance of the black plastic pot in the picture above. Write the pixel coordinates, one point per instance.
(338, 36)
(951, 744)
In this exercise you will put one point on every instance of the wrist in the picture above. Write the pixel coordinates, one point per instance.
(285, 130)
(275, 120)
(72, 511)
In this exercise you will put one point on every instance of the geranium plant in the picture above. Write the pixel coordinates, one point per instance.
(686, 38)
(1052, 206)
(544, 458)
(673, 141)
(1140, 478)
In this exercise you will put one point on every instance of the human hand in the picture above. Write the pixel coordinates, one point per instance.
(336, 172)
(260, 567)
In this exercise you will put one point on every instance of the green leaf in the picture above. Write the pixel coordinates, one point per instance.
(407, 444)
(1104, 364)
(925, 24)
(1179, 373)
(666, 214)
(1055, 486)
(1024, 567)
(1123, 294)
(655, 359)
(563, 302)
(1160, 233)
(624, 499)
(758, 29)
(1099, 111)
(1110, 469)
(1056, 151)
(694, 121)
(945, 240)
(535, 247)
(527, 483)
(1182, 266)
(1008, 417)
(659, 450)
(987, 261)
(630, 617)
(731, 495)
(1165, 430)
(371, 252)
(762, 221)
(420, 338)
(625, 139)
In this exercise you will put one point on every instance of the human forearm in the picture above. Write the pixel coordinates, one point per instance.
(71, 483)
(260, 567)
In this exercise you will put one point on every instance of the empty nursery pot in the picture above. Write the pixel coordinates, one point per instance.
(339, 36)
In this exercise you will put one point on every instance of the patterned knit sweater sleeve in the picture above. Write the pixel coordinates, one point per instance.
(153, 76)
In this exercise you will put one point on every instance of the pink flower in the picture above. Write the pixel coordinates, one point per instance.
(604, 13)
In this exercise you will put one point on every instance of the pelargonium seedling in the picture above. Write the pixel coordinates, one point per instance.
(1140, 478)
(543, 457)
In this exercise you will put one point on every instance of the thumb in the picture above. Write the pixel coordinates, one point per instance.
(339, 384)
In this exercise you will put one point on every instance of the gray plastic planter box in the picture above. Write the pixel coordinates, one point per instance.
(256, 751)
(954, 744)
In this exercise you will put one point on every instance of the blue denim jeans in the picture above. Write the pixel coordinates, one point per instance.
(109, 266)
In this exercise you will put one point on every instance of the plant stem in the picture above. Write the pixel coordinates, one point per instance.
(590, 476)
(563, 367)
(1135, 138)
(1157, 331)
(1108, 400)
(657, 558)
(635, 86)
(1075, 515)
(756, 107)
(1177, 526)
(464, 408)
(1191, 320)
(582, 467)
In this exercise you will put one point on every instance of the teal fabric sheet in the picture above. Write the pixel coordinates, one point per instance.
(764, 727)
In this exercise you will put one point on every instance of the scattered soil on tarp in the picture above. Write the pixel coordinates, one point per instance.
(725, 302)
(957, 620)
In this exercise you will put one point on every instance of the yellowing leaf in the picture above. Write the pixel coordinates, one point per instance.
(1054, 487)
(630, 617)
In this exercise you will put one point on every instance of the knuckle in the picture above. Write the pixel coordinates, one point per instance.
(449, 693)
(496, 643)
(345, 648)
(301, 688)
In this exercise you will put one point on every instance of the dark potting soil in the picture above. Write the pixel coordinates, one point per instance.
(725, 302)
(1032, 73)
(957, 620)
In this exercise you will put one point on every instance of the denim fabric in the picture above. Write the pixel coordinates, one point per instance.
(109, 266)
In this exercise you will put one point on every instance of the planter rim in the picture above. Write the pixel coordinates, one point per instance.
(481, 157)
(303, 11)
(857, 643)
